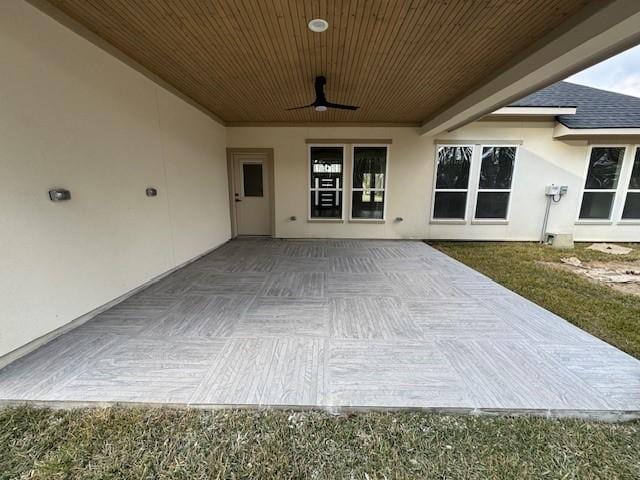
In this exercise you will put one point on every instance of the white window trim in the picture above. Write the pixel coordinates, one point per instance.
(385, 190)
(311, 189)
(495, 221)
(473, 189)
(626, 190)
(450, 221)
(613, 212)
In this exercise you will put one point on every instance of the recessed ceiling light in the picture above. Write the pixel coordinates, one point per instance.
(318, 25)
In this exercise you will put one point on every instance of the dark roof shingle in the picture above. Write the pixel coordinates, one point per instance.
(595, 108)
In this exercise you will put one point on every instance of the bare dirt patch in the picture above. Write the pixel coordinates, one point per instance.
(621, 276)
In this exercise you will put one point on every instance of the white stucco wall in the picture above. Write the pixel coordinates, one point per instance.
(408, 167)
(541, 161)
(73, 116)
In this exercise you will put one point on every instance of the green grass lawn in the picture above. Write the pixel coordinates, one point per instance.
(613, 317)
(191, 444)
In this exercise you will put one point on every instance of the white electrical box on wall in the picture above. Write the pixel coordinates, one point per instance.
(554, 190)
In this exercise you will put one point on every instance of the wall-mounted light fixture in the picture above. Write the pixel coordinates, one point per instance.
(151, 192)
(59, 195)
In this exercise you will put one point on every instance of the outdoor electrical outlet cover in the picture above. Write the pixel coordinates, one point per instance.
(59, 195)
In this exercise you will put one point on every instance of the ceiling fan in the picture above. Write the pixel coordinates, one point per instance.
(321, 104)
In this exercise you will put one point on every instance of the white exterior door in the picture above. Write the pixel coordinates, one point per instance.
(252, 197)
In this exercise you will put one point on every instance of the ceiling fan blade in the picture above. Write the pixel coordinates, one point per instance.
(341, 107)
(298, 108)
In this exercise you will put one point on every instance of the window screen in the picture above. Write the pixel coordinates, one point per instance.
(452, 182)
(494, 185)
(601, 182)
(369, 182)
(631, 209)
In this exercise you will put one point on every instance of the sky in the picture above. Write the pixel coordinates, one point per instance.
(619, 74)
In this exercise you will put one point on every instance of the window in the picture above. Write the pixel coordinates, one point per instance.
(369, 182)
(452, 182)
(326, 166)
(631, 209)
(494, 185)
(252, 179)
(602, 182)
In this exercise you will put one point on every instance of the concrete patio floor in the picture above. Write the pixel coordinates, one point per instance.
(331, 323)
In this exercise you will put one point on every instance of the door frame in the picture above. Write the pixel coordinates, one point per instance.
(268, 152)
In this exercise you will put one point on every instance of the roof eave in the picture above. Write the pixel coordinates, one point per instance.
(562, 132)
(521, 111)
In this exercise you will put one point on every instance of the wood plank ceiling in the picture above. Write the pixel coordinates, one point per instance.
(249, 60)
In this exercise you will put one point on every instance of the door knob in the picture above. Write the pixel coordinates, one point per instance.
(238, 200)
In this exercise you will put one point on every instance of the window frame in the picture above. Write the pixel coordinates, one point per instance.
(505, 220)
(634, 150)
(612, 212)
(435, 190)
(352, 189)
(310, 188)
